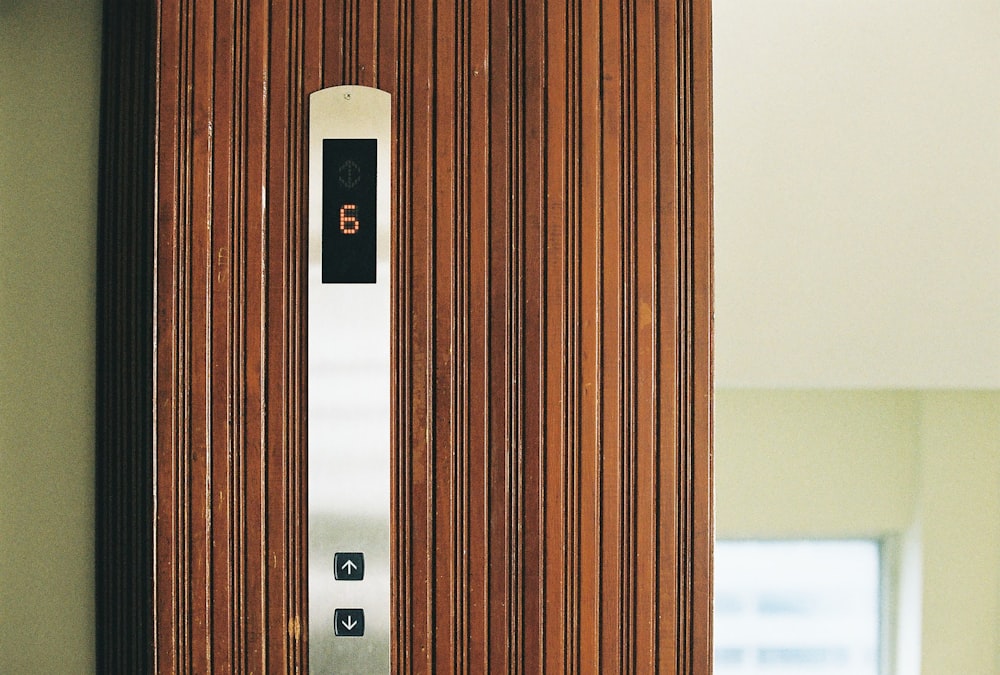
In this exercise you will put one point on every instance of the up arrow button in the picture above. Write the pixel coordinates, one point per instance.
(349, 566)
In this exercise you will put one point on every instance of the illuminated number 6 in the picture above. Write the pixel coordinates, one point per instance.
(349, 219)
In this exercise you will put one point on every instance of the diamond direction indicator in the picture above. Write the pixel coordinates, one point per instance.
(349, 174)
(349, 566)
(349, 622)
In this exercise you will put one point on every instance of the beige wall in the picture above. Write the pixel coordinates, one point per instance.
(856, 200)
(921, 469)
(49, 78)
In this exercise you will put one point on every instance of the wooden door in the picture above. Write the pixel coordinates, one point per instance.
(552, 331)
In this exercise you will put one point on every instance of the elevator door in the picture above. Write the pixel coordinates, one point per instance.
(550, 494)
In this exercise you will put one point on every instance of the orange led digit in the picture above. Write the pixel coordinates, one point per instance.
(349, 219)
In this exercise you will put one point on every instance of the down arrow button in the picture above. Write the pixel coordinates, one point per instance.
(349, 622)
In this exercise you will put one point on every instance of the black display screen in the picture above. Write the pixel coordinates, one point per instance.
(349, 217)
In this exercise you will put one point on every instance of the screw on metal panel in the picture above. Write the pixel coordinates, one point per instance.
(347, 97)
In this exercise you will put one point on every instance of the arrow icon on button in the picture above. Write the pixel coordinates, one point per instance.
(349, 566)
(349, 622)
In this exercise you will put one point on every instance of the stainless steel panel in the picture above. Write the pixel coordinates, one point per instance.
(349, 407)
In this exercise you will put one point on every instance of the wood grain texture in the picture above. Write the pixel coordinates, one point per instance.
(202, 427)
(552, 331)
(553, 339)
(229, 362)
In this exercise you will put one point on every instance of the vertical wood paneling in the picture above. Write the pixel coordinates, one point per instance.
(552, 318)
(556, 329)
(530, 568)
(202, 233)
(554, 346)
(442, 472)
(698, 138)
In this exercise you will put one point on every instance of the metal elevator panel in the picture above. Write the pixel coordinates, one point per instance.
(349, 411)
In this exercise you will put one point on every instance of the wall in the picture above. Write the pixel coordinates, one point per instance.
(815, 463)
(959, 522)
(856, 165)
(49, 79)
(858, 295)
(920, 467)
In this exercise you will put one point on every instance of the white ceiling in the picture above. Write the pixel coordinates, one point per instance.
(857, 193)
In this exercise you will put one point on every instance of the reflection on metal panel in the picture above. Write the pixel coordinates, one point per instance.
(349, 385)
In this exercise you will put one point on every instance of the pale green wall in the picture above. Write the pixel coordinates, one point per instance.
(49, 80)
(786, 459)
(959, 521)
(919, 468)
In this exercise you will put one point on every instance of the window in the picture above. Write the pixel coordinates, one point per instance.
(803, 607)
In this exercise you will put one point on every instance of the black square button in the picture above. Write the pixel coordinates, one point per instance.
(349, 622)
(349, 566)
